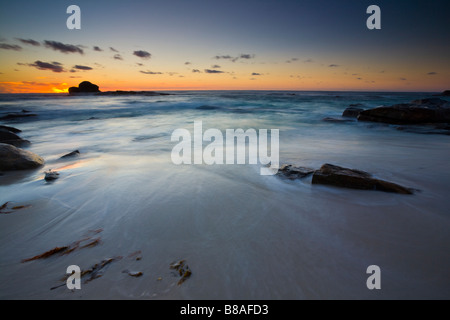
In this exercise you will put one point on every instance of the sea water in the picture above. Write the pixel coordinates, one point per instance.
(243, 235)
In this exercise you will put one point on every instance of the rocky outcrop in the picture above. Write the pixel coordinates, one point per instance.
(446, 93)
(337, 176)
(12, 158)
(433, 110)
(84, 87)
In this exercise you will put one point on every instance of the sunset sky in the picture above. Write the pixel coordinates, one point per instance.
(209, 45)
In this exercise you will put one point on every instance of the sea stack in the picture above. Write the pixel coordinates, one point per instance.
(84, 87)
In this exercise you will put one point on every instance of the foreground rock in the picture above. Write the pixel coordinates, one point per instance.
(84, 87)
(421, 111)
(10, 129)
(337, 176)
(12, 158)
(446, 93)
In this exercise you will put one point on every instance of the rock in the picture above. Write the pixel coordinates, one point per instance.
(291, 172)
(10, 129)
(133, 93)
(71, 154)
(51, 175)
(133, 273)
(421, 111)
(206, 107)
(12, 158)
(17, 115)
(84, 87)
(353, 111)
(337, 176)
(11, 138)
(446, 93)
(336, 120)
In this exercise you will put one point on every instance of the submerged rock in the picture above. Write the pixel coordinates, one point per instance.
(336, 120)
(12, 158)
(337, 176)
(17, 115)
(291, 172)
(353, 111)
(433, 110)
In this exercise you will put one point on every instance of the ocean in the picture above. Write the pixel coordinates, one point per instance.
(242, 234)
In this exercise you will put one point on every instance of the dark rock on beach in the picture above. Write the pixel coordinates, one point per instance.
(10, 129)
(446, 93)
(337, 176)
(12, 158)
(71, 154)
(433, 110)
(11, 138)
(84, 87)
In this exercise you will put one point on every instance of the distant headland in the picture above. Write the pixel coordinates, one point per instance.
(88, 88)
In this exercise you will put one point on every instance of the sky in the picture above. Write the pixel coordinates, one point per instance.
(225, 45)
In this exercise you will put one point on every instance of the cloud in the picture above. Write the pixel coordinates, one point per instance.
(215, 66)
(96, 48)
(308, 61)
(213, 71)
(118, 57)
(187, 63)
(291, 60)
(403, 79)
(142, 54)
(140, 64)
(30, 42)
(256, 74)
(247, 56)
(53, 66)
(112, 49)
(432, 73)
(150, 72)
(196, 70)
(64, 48)
(234, 59)
(223, 57)
(333, 66)
(14, 47)
(82, 67)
